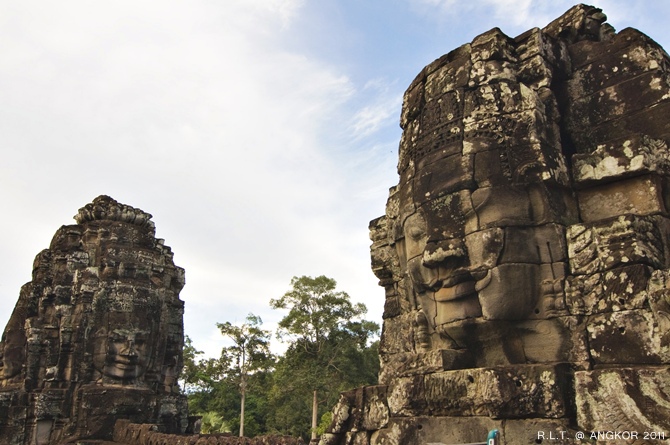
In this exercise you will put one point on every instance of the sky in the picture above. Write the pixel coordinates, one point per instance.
(262, 135)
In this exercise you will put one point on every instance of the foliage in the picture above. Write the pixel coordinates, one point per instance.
(324, 423)
(250, 352)
(316, 311)
(191, 370)
(201, 374)
(213, 423)
(329, 350)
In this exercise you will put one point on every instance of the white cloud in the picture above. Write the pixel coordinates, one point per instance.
(502, 13)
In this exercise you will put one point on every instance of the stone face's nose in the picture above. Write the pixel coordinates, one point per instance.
(445, 252)
(129, 348)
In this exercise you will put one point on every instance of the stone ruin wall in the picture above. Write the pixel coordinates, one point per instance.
(128, 433)
(525, 252)
(97, 335)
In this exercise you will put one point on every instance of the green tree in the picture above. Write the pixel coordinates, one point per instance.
(190, 372)
(215, 391)
(316, 311)
(212, 422)
(201, 374)
(249, 353)
(328, 351)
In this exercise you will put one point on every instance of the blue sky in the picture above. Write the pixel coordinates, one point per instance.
(261, 134)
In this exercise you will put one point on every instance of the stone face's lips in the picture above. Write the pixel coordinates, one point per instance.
(454, 278)
(125, 366)
(126, 362)
(481, 284)
(456, 292)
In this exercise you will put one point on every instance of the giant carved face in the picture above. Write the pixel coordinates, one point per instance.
(13, 346)
(488, 251)
(12, 353)
(123, 349)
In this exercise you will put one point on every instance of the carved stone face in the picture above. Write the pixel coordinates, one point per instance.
(13, 347)
(122, 353)
(11, 358)
(489, 253)
(530, 231)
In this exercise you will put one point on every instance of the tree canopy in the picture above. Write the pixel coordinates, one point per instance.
(329, 350)
(249, 352)
(316, 310)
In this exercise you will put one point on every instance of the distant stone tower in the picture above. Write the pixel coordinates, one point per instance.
(97, 335)
(525, 251)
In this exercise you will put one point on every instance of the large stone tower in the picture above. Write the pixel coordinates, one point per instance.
(525, 251)
(97, 334)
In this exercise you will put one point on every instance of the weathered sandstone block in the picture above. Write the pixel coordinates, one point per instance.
(623, 397)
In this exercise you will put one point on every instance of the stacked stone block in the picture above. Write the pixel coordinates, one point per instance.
(128, 433)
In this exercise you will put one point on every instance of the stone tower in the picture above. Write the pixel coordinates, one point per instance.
(97, 334)
(525, 250)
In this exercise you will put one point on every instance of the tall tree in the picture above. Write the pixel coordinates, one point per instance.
(327, 347)
(315, 310)
(250, 352)
(201, 374)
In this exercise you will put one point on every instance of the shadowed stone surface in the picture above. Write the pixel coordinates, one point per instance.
(524, 251)
(127, 433)
(97, 334)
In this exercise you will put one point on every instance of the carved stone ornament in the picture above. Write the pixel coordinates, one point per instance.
(97, 335)
(524, 252)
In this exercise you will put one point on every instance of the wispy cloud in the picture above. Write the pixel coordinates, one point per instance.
(501, 13)
(380, 109)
